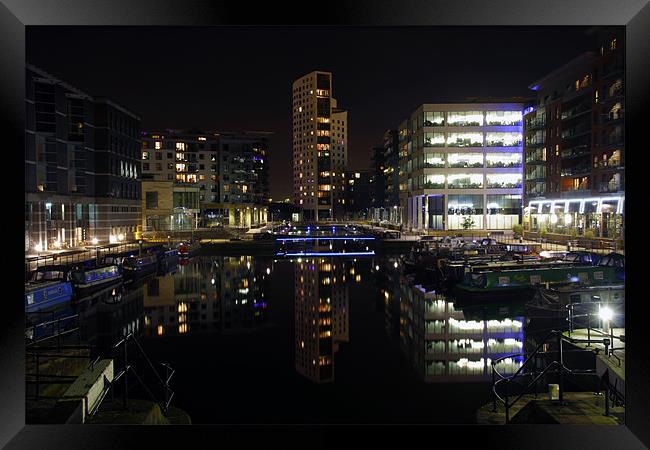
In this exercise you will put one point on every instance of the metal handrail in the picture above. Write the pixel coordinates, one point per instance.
(128, 368)
(571, 316)
(557, 364)
(508, 379)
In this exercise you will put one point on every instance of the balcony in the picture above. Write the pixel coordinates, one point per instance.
(535, 144)
(612, 140)
(576, 112)
(430, 185)
(577, 151)
(576, 132)
(576, 171)
(610, 187)
(606, 119)
(535, 124)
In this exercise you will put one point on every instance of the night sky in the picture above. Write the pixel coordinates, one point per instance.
(235, 79)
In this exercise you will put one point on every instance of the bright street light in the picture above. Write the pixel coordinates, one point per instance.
(95, 241)
(605, 313)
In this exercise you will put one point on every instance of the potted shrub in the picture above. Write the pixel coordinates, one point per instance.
(467, 222)
(543, 232)
(517, 229)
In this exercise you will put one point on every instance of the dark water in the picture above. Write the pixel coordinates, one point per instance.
(255, 340)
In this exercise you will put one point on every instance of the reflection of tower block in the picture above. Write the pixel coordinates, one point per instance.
(321, 317)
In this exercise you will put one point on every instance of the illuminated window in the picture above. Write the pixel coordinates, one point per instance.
(503, 117)
(465, 159)
(158, 145)
(465, 118)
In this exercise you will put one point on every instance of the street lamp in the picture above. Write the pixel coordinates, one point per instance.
(95, 241)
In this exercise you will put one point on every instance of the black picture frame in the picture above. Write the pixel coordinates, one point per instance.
(15, 15)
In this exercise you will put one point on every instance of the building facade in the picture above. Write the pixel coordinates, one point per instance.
(460, 166)
(574, 150)
(358, 194)
(230, 171)
(387, 172)
(319, 147)
(81, 173)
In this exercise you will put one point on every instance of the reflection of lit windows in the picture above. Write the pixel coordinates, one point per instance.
(182, 328)
(158, 145)
(161, 330)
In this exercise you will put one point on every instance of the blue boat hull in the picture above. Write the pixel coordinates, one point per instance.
(48, 297)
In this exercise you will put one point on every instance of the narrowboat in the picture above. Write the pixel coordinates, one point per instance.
(87, 280)
(46, 294)
(167, 260)
(515, 283)
(612, 260)
(187, 249)
(582, 257)
(137, 266)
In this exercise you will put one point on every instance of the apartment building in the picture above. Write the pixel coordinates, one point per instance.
(319, 147)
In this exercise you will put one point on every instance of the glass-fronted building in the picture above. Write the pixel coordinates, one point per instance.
(460, 166)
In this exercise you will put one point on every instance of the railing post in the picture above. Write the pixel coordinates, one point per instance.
(535, 362)
(494, 396)
(606, 400)
(561, 358)
(506, 402)
(38, 376)
(126, 375)
(588, 329)
(58, 333)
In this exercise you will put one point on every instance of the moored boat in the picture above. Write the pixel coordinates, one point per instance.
(87, 280)
(187, 249)
(514, 283)
(47, 294)
(167, 259)
(137, 266)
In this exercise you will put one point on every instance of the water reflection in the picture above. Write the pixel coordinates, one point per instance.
(218, 293)
(321, 315)
(104, 320)
(446, 343)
